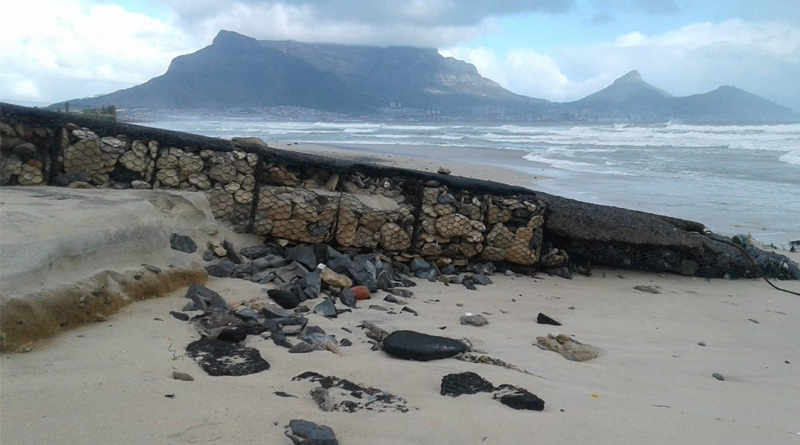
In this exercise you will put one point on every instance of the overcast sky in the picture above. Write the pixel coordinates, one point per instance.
(561, 50)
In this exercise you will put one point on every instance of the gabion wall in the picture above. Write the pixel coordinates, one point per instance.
(307, 205)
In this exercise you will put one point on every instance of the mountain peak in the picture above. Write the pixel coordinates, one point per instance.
(230, 39)
(631, 77)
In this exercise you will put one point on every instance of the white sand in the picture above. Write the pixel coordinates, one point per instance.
(106, 382)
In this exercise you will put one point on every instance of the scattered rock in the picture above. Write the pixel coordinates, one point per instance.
(301, 348)
(455, 385)
(204, 298)
(480, 279)
(284, 298)
(179, 315)
(648, 289)
(151, 268)
(222, 268)
(443, 171)
(177, 375)
(326, 309)
(303, 255)
(408, 309)
(303, 432)
(284, 394)
(567, 347)
(335, 279)
(718, 376)
(182, 243)
(347, 297)
(544, 319)
(361, 292)
(410, 345)
(518, 398)
(562, 272)
(702, 343)
(219, 358)
(474, 320)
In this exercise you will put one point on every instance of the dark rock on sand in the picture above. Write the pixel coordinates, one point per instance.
(562, 272)
(518, 398)
(303, 255)
(347, 297)
(177, 375)
(182, 243)
(303, 432)
(544, 319)
(234, 334)
(222, 268)
(455, 385)
(301, 348)
(410, 345)
(204, 298)
(326, 309)
(480, 279)
(179, 315)
(231, 252)
(284, 298)
(218, 357)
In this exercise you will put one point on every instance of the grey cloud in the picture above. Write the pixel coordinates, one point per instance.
(413, 22)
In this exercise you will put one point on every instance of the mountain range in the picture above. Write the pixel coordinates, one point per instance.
(239, 72)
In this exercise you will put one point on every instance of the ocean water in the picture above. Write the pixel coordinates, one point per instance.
(733, 179)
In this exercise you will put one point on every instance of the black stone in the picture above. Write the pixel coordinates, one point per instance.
(208, 255)
(234, 335)
(204, 298)
(449, 270)
(222, 268)
(326, 309)
(218, 357)
(231, 252)
(455, 385)
(518, 398)
(179, 315)
(544, 319)
(345, 342)
(303, 255)
(469, 284)
(562, 272)
(284, 394)
(303, 432)
(480, 279)
(254, 252)
(347, 297)
(284, 298)
(412, 345)
(182, 243)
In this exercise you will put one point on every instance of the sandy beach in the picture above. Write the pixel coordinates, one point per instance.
(111, 381)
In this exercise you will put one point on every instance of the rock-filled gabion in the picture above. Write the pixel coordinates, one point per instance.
(295, 214)
(227, 177)
(305, 205)
(515, 229)
(374, 213)
(451, 224)
(23, 158)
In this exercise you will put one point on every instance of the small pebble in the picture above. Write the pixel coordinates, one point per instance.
(702, 343)
(754, 320)
(572, 308)
(718, 376)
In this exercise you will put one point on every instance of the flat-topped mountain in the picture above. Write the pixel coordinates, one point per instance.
(239, 72)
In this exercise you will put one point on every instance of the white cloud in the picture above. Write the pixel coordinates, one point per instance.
(763, 58)
(62, 49)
